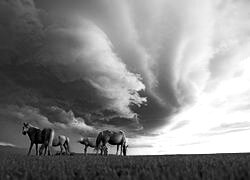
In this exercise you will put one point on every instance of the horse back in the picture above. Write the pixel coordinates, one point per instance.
(37, 136)
(91, 143)
(46, 135)
(116, 138)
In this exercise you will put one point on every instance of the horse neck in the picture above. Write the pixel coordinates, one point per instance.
(84, 142)
(98, 139)
(91, 144)
(32, 131)
(87, 142)
(124, 139)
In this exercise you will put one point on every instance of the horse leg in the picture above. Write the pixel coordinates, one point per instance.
(49, 153)
(103, 145)
(45, 150)
(117, 149)
(31, 145)
(85, 150)
(36, 149)
(41, 150)
(102, 150)
(97, 149)
(66, 149)
(61, 147)
(121, 150)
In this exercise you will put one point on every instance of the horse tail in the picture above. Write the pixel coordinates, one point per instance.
(98, 140)
(124, 143)
(67, 144)
(124, 139)
(52, 134)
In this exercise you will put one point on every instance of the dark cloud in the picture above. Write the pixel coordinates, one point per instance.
(87, 65)
(24, 114)
(74, 53)
(54, 117)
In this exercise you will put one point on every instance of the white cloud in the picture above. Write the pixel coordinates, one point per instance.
(6, 144)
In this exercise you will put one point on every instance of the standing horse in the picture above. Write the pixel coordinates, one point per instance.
(38, 136)
(113, 138)
(88, 143)
(62, 141)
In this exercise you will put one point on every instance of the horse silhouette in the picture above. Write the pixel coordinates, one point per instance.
(113, 138)
(38, 136)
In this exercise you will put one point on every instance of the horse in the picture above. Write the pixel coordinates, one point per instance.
(62, 141)
(38, 136)
(113, 138)
(87, 143)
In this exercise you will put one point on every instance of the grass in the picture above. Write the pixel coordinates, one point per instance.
(220, 166)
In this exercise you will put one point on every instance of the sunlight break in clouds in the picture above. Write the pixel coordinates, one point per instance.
(210, 77)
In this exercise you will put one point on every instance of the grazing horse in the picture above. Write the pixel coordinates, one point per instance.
(38, 136)
(113, 138)
(62, 141)
(88, 143)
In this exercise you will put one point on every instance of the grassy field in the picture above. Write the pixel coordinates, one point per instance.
(221, 166)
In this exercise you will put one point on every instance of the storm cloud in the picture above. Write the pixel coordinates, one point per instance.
(71, 52)
(148, 67)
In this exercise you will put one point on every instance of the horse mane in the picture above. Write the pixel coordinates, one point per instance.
(52, 134)
(99, 139)
(30, 125)
(68, 146)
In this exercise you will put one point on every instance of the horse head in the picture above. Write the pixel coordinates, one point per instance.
(124, 149)
(82, 140)
(26, 127)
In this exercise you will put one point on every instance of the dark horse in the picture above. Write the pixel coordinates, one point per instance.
(114, 138)
(38, 136)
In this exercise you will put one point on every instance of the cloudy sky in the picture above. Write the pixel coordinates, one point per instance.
(174, 75)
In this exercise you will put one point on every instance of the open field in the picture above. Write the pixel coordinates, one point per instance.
(15, 165)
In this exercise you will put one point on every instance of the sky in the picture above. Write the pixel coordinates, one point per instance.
(173, 75)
